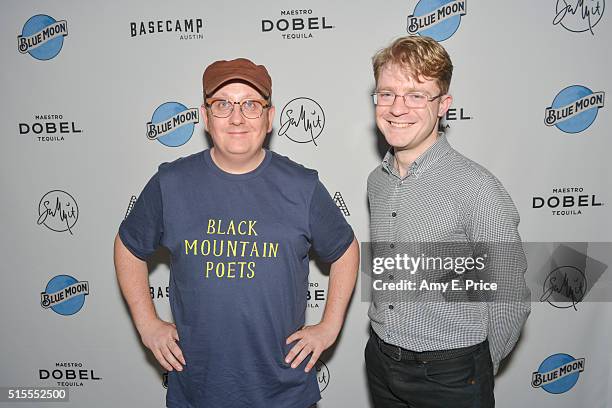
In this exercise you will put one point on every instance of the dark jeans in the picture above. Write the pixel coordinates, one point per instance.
(465, 381)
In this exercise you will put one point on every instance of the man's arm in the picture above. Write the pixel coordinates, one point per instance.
(157, 335)
(316, 339)
(494, 227)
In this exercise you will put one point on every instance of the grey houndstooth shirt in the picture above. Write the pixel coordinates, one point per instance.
(446, 197)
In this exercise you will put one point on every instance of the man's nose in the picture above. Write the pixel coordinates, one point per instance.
(236, 116)
(399, 106)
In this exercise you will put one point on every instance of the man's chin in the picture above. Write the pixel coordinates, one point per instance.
(400, 143)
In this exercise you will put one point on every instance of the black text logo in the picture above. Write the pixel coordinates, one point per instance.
(67, 374)
(296, 24)
(566, 201)
(454, 115)
(159, 292)
(49, 128)
(315, 299)
(185, 29)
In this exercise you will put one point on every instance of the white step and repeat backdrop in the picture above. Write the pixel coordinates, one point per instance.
(81, 80)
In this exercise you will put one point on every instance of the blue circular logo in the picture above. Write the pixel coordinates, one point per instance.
(574, 109)
(438, 19)
(558, 373)
(64, 295)
(42, 37)
(172, 124)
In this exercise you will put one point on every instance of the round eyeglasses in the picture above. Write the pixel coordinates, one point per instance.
(411, 99)
(250, 108)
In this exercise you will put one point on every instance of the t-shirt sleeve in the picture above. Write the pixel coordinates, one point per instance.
(141, 232)
(331, 235)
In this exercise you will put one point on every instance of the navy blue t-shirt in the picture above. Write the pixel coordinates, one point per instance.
(239, 273)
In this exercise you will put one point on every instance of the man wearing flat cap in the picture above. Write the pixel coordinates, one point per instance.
(239, 222)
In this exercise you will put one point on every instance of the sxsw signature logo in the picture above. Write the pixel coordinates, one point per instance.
(579, 15)
(302, 120)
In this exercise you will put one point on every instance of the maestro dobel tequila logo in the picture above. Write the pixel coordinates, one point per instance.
(296, 24)
(49, 128)
(567, 201)
(315, 298)
(69, 374)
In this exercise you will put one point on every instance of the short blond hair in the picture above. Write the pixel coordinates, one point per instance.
(420, 56)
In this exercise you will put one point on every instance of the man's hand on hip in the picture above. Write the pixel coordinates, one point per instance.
(311, 339)
(160, 337)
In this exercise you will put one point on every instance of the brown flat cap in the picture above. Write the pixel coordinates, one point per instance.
(220, 72)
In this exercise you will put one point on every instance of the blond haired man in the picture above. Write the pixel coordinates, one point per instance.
(435, 348)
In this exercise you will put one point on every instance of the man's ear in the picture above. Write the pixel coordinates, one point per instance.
(445, 104)
(271, 112)
(204, 116)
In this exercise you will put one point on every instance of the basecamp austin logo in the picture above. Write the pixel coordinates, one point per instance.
(566, 201)
(64, 295)
(49, 128)
(159, 292)
(185, 29)
(296, 24)
(558, 373)
(172, 124)
(438, 19)
(42, 37)
(302, 120)
(58, 211)
(574, 109)
(579, 15)
(69, 374)
(322, 375)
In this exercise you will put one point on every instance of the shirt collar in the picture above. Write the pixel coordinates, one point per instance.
(424, 161)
